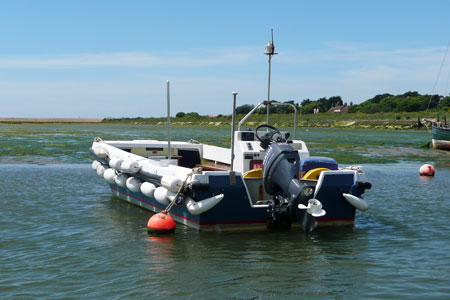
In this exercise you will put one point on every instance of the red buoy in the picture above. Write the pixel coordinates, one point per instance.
(161, 223)
(426, 170)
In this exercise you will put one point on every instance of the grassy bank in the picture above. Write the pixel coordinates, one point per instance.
(332, 120)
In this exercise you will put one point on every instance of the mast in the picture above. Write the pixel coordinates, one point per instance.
(168, 121)
(270, 50)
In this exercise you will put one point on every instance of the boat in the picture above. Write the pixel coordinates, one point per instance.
(266, 179)
(440, 133)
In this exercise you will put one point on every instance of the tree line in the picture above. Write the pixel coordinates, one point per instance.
(407, 102)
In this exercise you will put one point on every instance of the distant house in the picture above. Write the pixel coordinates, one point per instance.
(338, 109)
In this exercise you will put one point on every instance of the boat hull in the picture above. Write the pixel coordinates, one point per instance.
(441, 138)
(441, 144)
(235, 211)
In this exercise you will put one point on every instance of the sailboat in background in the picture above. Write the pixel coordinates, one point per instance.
(440, 130)
(440, 133)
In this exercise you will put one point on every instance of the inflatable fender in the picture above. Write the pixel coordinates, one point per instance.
(95, 164)
(100, 151)
(171, 183)
(121, 180)
(109, 175)
(356, 202)
(148, 189)
(100, 170)
(199, 207)
(161, 195)
(115, 163)
(133, 184)
(130, 166)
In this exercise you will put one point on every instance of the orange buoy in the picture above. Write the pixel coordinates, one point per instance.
(161, 223)
(426, 170)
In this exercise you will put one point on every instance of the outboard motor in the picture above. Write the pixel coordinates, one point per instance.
(281, 169)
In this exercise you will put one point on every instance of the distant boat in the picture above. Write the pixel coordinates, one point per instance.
(441, 134)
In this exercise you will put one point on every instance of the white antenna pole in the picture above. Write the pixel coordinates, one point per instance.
(233, 121)
(168, 120)
(270, 50)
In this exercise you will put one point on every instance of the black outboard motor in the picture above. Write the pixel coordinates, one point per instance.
(281, 169)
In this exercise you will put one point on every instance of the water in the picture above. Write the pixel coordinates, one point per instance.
(63, 236)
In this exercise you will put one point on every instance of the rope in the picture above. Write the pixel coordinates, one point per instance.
(358, 169)
(448, 81)
(169, 206)
(439, 74)
(426, 126)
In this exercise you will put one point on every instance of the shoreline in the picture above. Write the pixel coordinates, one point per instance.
(364, 124)
(391, 121)
(51, 120)
(367, 124)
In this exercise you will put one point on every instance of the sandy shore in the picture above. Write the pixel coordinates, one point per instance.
(52, 120)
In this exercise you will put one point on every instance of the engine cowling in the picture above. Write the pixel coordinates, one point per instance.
(281, 165)
(281, 169)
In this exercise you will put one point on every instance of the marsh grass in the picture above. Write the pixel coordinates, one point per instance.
(402, 120)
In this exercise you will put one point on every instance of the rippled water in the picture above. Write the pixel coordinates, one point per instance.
(63, 236)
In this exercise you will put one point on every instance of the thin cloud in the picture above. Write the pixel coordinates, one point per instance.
(365, 54)
(129, 59)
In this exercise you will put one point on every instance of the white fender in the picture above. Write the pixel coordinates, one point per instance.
(101, 152)
(121, 180)
(200, 207)
(130, 166)
(148, 189)
(100, 170)
(161, 195)
(95, 164)
(171, 183)
(109, 175)
(356, 202)
(133, 184)
(115, 163)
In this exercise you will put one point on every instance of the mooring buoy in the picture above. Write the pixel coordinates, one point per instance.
(426, 170)
(161, 223)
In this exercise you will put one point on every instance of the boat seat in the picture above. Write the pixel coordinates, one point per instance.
(253, 173)
(314, 162)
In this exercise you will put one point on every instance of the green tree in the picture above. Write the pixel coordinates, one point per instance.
(445, 102)
(192, 115)
(334, 101)
(244, 109)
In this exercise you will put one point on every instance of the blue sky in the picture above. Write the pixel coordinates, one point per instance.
(112, 58)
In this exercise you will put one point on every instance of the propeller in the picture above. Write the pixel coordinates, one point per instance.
(314, 209)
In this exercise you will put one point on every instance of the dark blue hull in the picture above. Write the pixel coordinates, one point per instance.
(235, 210)
(338, 210)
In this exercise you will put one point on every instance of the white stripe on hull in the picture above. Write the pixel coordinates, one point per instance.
(441, 144)
(213, 227)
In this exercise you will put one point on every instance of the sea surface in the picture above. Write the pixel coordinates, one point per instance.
(63, 236)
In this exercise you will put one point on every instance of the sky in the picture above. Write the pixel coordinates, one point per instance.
(94, 59)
